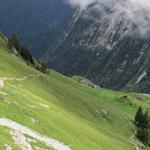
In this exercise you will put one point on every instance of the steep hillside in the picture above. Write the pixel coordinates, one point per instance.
(103, 51)
(36, 110)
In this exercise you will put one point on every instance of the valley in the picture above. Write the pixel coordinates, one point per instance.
(74, 75)
(106, 53)
(63, 109)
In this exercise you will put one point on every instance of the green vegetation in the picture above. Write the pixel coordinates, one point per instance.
(41, 66)
(142, 121)
(3, 37)
(60, 107)
(14, 43)
(15, 47)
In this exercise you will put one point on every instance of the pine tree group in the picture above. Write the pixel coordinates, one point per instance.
(142, 121)
(13, 42)
(23, 51)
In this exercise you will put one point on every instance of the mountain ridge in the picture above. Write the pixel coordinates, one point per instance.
(103, 52)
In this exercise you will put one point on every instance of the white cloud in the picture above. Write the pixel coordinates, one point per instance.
(80, 3)
(124, 3)
(136, 12)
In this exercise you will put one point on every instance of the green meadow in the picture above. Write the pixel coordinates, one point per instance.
(59, 107)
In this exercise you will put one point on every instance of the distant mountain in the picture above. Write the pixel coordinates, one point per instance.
(26, 16)
(40, 42)
(105, 53)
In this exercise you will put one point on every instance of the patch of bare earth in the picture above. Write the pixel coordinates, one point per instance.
(19, 131)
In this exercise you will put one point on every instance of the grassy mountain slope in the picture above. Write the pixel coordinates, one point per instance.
(81, 117)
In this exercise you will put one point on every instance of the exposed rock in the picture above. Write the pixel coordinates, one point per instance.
(105, 53)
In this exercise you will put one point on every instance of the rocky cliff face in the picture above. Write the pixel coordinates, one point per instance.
(107, 52)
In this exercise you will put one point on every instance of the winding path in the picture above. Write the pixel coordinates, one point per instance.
(27, 131)
(2, 80)
(24, 130)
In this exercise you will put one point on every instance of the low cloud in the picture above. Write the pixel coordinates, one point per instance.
(79, 3)
(136, 12)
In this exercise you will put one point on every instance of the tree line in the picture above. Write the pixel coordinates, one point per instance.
(15, 47)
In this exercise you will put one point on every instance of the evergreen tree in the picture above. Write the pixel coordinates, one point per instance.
(142, 121)
(23, 51)
(139, 117)
(44, 68)
(144, 136)
(146, 121)
(25, 54)
(14, 42)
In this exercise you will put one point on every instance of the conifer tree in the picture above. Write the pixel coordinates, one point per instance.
(14, 42)
(146, 121)
(139, 117)
(142, 121)
(144, 136)
(44, 68)
(25, 54)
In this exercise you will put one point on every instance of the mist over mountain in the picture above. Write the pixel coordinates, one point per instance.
(112, 53)
(136, 12)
